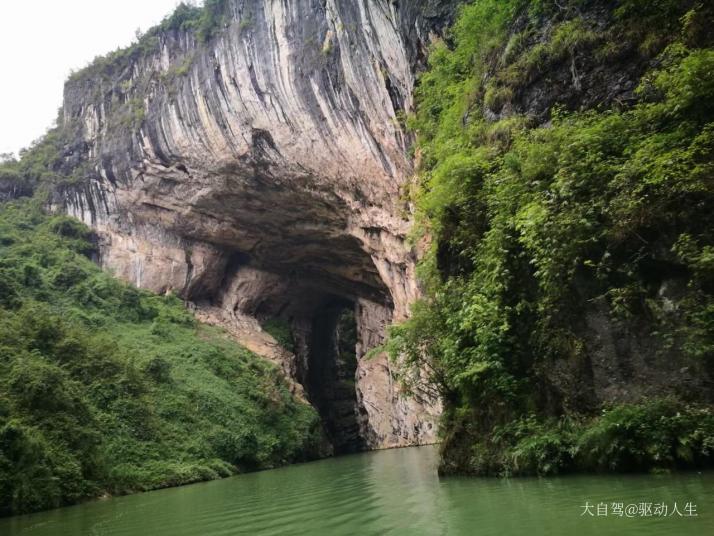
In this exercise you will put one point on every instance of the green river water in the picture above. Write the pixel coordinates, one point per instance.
(389, 492)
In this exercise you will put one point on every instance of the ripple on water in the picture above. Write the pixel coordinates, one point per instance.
(388, 492)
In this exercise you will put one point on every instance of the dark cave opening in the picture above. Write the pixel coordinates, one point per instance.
(313, 323)
(330, 380)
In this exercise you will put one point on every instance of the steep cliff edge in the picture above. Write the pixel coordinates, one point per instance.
(566, 178)
(250, 157)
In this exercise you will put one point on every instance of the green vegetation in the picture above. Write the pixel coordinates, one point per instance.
(281, 331)
(347, 337)
(203, 22)
(532, 225)
(656, 435)
(109, 389)
(42, 163)
(111, 80)
(178, 69)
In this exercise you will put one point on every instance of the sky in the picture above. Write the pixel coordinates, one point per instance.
(42, 41)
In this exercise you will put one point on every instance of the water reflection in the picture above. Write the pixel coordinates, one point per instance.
(389, 492)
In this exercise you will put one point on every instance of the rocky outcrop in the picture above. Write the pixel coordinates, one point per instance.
(260, 174)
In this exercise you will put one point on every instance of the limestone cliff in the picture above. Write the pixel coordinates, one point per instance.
(259, 173)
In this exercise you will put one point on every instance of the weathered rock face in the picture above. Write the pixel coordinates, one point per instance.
(260, 175)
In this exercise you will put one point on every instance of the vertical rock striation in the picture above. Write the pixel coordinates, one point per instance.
(260, 174)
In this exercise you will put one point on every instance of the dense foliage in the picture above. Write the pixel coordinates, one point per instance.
(44, 162)
(659, 434)
(281, 331)
(108, 389)
(534, 224)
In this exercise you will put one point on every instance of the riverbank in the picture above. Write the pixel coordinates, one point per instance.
(394, 491)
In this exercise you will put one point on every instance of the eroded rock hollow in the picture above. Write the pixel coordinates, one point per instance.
(260, 175)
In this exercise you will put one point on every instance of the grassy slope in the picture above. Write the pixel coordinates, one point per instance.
(522, 215)
(107, 389)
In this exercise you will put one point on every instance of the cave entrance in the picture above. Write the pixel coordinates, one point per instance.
(331, 371)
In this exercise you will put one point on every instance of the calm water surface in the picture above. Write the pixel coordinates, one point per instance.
(387, 492)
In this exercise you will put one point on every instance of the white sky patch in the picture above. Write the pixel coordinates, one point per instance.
(42, 41)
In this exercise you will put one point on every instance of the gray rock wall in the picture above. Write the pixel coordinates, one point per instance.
(261, 174)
